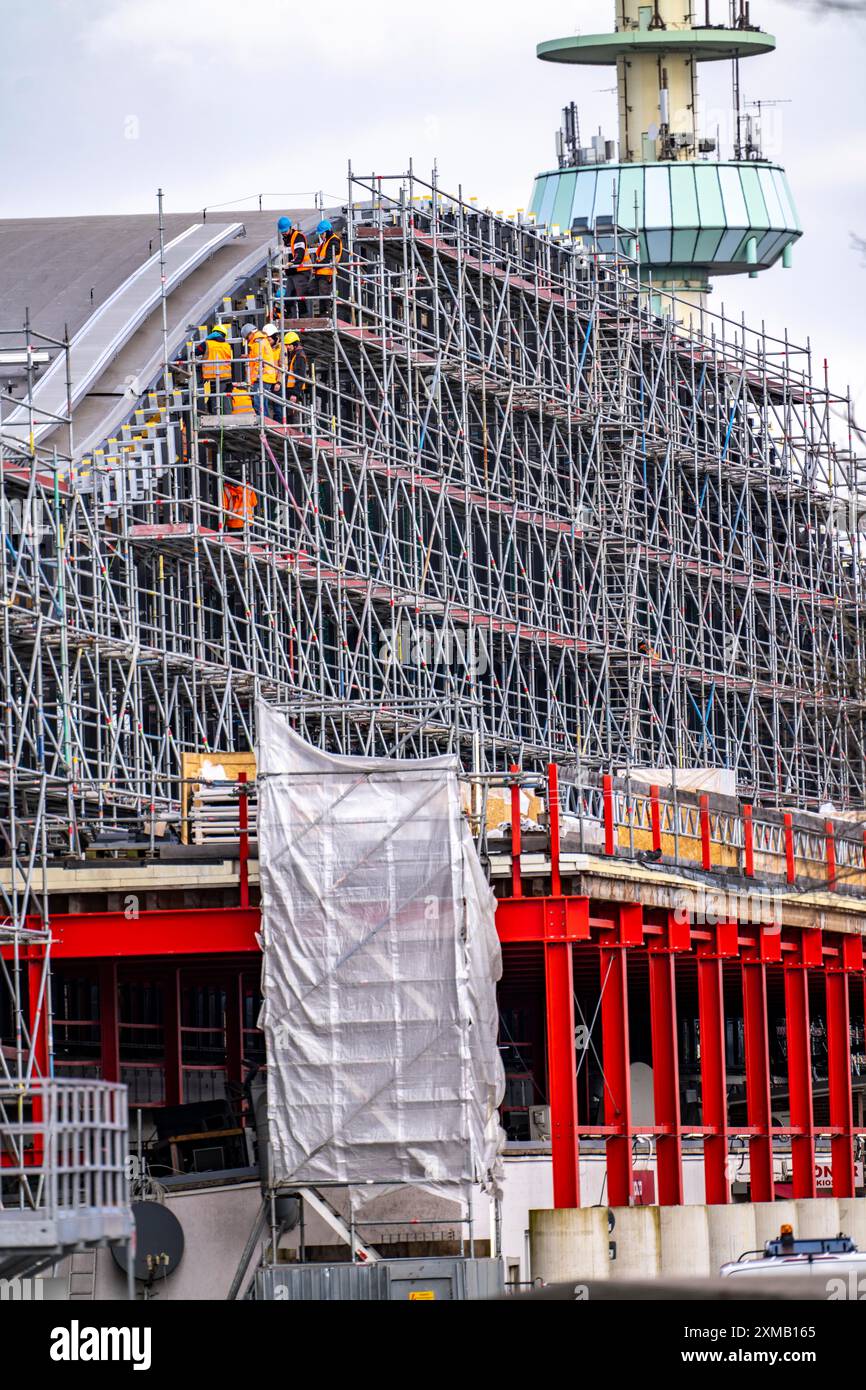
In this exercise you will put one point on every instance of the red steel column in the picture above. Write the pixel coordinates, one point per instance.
(38, 1016)
(562, 1073)
(553, 824)
(748, 842)
(711, 1015)
(758, 1110)
(798, 1034)
(706, 843)
(839, 1082)
(790, 862)
(243, 841)
(617, 1079)
(173, 1040)
(666, 1085)
(109, 1021)
(655, 818)
(516, 885)
(607, 802)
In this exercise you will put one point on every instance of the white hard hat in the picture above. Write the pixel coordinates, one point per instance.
(270, 329)
(247, 329)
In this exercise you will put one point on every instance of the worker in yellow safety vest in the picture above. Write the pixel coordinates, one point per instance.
(241, 400)
(263, 359)
(239, 505)
(213, 356)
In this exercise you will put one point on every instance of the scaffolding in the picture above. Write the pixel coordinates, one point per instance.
(510, 511)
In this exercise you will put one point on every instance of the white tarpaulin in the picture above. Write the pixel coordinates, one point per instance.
(380, 967)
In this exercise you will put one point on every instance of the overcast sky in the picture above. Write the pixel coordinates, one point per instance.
(103, 100)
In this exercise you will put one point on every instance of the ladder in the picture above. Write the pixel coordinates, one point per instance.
(82, 1276)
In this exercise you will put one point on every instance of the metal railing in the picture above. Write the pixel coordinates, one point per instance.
(63, 1150)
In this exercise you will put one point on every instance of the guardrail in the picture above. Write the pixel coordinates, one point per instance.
(63, 1165)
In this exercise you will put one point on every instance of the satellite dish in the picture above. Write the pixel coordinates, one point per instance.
(653, 132)
(158, 1242)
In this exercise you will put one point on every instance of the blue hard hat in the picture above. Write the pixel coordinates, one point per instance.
(324, 226)
(284, 224)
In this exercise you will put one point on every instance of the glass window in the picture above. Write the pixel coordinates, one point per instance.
(584, 196)
(685, 242)
(732, 192)
(758, 211)
(658, 198)
(561, 214)
(546, 206)
(604, 193)
(537, 199)
(780, 184)
(774, 207)
(707, 244)
(684, 198)
(729, 243)
(659, 247)
(709, 196)
(630, 187)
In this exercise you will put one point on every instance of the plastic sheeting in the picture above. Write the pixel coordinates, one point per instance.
(380, 965)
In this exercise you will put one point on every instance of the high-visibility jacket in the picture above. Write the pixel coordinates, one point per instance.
(242, 402)
(298, 250)
(329, 252)
(296, 366)
(261, 357)
(217, 360)
(239, 504)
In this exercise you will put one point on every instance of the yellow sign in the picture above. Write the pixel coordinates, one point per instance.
(421, 1294)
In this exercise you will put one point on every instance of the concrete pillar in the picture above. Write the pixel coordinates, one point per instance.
(852, 1219)
(732, 1233)
(685, 1242)
(816, 1216)
(569, 1245)
(637, 1235)
(769, 1217)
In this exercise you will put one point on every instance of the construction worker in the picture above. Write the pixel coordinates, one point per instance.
(240, 399)
(239, 505)
(296, 369)
(297, 266)
(214, 355)
(262, 359)
(327, 255)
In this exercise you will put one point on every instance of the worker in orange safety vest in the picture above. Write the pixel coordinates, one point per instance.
(239, 504)
(263, 359)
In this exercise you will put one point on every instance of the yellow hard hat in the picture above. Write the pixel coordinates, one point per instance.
(291, 337)
(222, 328)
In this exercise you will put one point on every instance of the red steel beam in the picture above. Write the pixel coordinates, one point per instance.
(666, 1084)
(758, 1108)
(522, 921)
(839, 1082)
(175, 931)
(562, 1073)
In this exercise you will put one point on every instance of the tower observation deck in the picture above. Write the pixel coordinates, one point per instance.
(695, 212)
